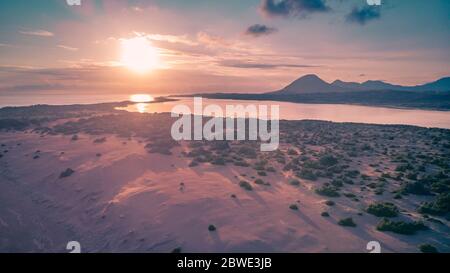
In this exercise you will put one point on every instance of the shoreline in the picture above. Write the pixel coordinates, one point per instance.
(288, 98)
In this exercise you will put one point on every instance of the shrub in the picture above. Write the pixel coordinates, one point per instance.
(293, 207)
(347, 222)
(383, 209)
(439, 206)
(325, 214)
(218, 161)
(100, 140)
(262, 173)
(329, 203)
(397, 196)
(193, 163)
(245, 185)
(261, 182)
(400, 227)
(427, 248)
(349, 195)
(337, 183)
(68, 172)
(212, 228)
(176, 250)
(307, 174)
(417, 188)
(241, 163)
(294, 182)
(328, 160)
(441, 186)
(329, 191)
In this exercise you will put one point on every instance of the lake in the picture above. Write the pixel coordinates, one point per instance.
(288, 111)
(329, 112)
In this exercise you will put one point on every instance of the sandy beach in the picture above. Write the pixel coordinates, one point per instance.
(126, 194)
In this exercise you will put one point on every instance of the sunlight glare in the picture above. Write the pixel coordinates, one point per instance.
(139, 55)
(139, 98)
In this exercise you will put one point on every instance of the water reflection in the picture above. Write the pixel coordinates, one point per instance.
(142, 107)
(330, 112)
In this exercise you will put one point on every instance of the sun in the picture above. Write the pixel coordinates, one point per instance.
(139, 55)
(141, 98)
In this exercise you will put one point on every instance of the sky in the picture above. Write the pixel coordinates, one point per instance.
(219, 45)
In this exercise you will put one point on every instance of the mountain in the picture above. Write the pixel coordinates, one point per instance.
(310, 84)
(313, 84)
(439, 85)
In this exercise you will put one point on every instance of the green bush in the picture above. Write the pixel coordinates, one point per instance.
(193, 163)
(68, 172)
(347, 222)
(245, 185)
(427, 248)
(212, 228)
(294, 182)
(337, 183)
(218, 161)
(383, 209)
(440, 206)
(262, 173)
(417, 188)
(400, 227)
(293, 207)
(329, 203)
(307, 174)
(261, 182)
(325, 214)
(328, 160)
(329, 191)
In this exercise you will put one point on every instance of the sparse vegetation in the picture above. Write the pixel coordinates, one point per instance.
(383, 209)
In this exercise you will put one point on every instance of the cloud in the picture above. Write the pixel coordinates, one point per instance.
(181, 39)
(363, 15)
(286, 8)
(211, 40)
(251, 64)
(68, 48)
(259, 30)
(41, 33)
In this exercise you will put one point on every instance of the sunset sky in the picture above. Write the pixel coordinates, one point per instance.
(218, 46)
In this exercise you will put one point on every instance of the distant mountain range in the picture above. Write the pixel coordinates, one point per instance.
(312, 89)
(313, 84)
